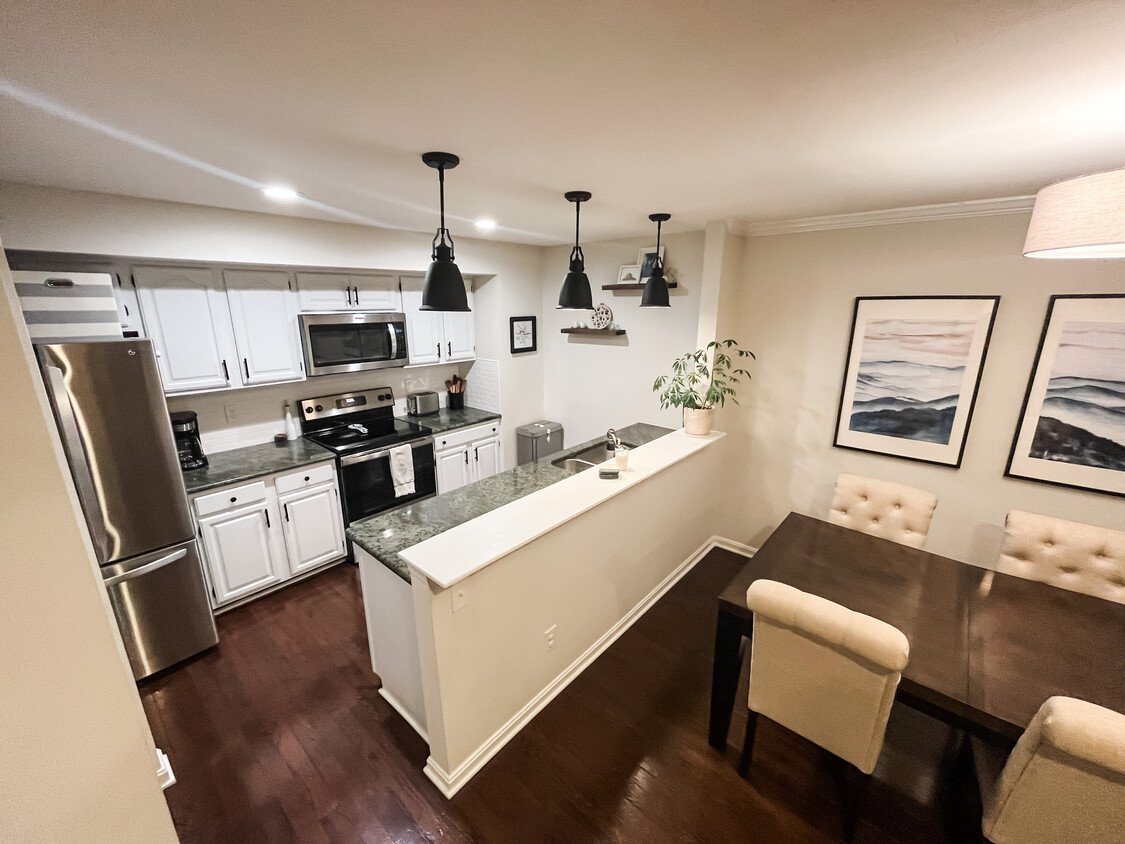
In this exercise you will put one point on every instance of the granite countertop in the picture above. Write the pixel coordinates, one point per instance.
(446, 419)
(253, 461)
(383, 536)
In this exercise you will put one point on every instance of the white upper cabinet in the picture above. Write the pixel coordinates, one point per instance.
(436, 336)
(424, 330)
(186, 315)
(348, 291)
(460, 334)
(263, 310)
(376, 292)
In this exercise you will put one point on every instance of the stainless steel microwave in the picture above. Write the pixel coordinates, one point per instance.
(347, 341)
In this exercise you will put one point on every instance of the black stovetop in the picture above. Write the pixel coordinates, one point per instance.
(366, 435)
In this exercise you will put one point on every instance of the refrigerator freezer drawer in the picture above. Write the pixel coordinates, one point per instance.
(160, 602)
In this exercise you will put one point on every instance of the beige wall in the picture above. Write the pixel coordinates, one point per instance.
(78, 763)
(595, 383)
(793, 307)
(75, 221)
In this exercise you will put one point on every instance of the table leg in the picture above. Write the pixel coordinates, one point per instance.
(724, 675)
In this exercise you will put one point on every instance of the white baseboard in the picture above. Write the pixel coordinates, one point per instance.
(450, 783)
(164, 769)
(401, 710)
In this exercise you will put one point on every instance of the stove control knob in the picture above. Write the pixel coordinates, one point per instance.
(319, 407)
(309, 409)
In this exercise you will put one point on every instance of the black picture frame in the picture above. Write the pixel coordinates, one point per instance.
(919, 309)
(1088, 311)
(512, 324)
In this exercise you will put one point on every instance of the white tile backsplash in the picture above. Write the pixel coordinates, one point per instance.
(483, 391)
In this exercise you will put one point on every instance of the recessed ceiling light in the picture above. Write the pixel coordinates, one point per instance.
(280, 192)
(485, 224)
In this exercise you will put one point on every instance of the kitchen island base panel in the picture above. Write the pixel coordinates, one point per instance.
(393, 639)
(488, 660)
(450, 783)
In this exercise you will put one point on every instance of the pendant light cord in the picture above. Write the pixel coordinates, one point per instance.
(576, 252)
(442, 232)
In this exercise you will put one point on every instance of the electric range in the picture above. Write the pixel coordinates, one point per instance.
(361, 429)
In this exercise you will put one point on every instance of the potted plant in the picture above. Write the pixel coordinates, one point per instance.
(699, 386)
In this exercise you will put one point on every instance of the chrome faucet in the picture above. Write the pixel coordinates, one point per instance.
(612, 441)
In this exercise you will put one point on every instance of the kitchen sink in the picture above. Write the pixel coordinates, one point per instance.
(582, 461)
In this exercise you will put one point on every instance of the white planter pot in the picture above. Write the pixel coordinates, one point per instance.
(698, 423)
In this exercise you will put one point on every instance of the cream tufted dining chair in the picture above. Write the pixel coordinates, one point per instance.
(883, 508)
(823, 671)
(1064, 781)
(1070, 555)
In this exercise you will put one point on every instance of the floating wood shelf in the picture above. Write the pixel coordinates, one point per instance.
(595, 332)
(638, 286)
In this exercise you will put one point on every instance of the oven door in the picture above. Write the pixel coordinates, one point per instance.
(351, 342)
(367, 485)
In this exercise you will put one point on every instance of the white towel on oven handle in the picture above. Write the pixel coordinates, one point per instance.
(402, 470)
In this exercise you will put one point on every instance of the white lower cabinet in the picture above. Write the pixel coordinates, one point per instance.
(467, 455)
(314, 532)
(256, 536)
(238, 552)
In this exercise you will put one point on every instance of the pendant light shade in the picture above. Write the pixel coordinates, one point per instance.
(655, 294)
(444, 289)
(1079, 218)
(575, 294)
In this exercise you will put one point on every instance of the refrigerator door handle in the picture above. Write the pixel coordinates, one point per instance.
(145, 569)
(80, 464)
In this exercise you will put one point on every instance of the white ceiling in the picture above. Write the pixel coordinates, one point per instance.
(745, 110)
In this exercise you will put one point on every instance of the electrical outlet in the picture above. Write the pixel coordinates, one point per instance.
(549, 635)
(231, 413)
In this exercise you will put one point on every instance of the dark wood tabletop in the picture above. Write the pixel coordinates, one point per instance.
(986, 649)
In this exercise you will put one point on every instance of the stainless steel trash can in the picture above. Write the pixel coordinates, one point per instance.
(538, 439)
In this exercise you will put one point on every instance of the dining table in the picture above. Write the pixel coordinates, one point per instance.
(986, 648)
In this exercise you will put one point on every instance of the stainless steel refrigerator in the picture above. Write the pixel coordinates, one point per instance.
(115, 428)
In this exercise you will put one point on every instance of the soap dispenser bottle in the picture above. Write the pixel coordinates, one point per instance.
(291, 432)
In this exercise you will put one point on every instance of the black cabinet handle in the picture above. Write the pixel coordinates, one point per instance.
(349, 292)
(233, 499)
(449, 346)
(285, 507)
(306, 478)
(476, 454)
(439, 350)
(246, 368)
(466, 457)
(266, 513)
(226, 375)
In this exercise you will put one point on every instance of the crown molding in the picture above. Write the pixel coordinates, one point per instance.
(891, 216)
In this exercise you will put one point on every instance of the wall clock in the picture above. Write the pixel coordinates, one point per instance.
(523, 337)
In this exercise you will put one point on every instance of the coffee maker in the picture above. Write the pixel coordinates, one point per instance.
(190, 450)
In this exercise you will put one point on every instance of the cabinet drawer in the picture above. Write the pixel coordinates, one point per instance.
(229, 499)
(305, 477)
(452, 439)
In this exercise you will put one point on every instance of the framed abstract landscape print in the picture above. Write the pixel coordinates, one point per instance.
(1072, 427)
(914, 364)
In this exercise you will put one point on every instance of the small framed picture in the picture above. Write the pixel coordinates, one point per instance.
(646, 258)
(629, 274)
(522, 334)
(913, 369)
(1072, 426)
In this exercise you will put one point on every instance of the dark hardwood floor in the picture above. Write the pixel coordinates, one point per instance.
(280, 735)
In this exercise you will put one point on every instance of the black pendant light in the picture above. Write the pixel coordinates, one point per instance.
(576, 295)
(656, 288)
(444, 289)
